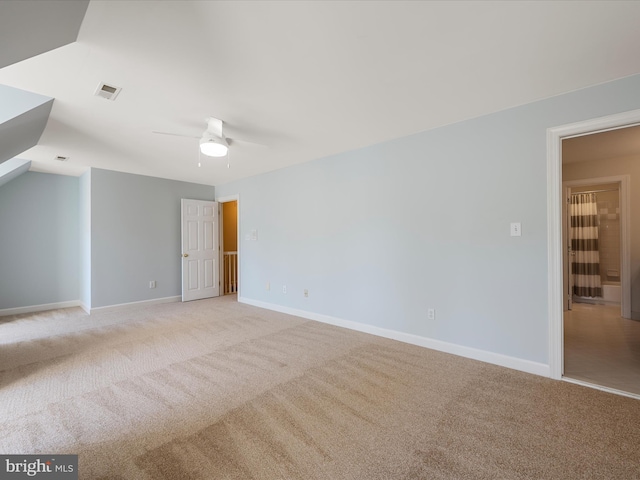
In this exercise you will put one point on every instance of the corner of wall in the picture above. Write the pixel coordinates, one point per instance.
(85, 241)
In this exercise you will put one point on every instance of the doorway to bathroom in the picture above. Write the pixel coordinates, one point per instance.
(596, 236)
(599, 335)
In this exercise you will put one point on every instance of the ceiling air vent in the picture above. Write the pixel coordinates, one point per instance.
(60, 158)
(108, 92)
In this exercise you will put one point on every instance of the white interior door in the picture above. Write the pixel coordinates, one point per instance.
(200, 250)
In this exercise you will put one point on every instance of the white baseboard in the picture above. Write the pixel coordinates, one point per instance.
(85, 307)
(153, 301)
(482, 355)
(39, 308)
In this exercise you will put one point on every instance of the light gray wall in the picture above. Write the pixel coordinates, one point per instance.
(381, 234)
(13, 168)
(84, 251)
(135, 236)
(38, 240)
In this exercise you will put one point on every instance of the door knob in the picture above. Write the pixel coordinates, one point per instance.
(185, 255)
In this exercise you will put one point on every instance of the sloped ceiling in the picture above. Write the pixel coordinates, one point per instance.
(23, 117)
(26, 31)
(306, 79)
(23, 131)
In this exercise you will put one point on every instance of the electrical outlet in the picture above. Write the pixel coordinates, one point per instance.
(306, 292)
(152, 284)
(284, 289)
(431, 314)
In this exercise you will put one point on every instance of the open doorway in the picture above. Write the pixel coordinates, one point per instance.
(230, 254)
(599, 336)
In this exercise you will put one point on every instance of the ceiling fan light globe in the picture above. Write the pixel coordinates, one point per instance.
(213, 147)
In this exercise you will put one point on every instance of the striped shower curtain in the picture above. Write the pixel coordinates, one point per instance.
(584, 242)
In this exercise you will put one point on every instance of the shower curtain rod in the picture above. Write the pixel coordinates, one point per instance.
(596, 191)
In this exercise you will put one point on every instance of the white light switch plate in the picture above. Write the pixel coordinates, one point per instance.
(516, 229)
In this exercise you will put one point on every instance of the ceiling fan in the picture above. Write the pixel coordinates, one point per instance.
(213, 142)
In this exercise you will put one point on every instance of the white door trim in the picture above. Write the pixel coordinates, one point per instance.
(554, 220)
(231, 198)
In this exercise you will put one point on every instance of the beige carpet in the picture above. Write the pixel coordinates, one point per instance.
(214, 389)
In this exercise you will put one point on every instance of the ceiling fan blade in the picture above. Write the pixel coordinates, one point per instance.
(174, 134)
(234, 141)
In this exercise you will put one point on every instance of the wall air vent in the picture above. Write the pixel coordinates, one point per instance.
(60, 158)
(108, 92)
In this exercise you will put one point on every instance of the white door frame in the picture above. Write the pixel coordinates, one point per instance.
(555, 204)
(225, 199)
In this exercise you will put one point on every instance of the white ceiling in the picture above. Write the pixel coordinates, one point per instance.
(307, 79)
